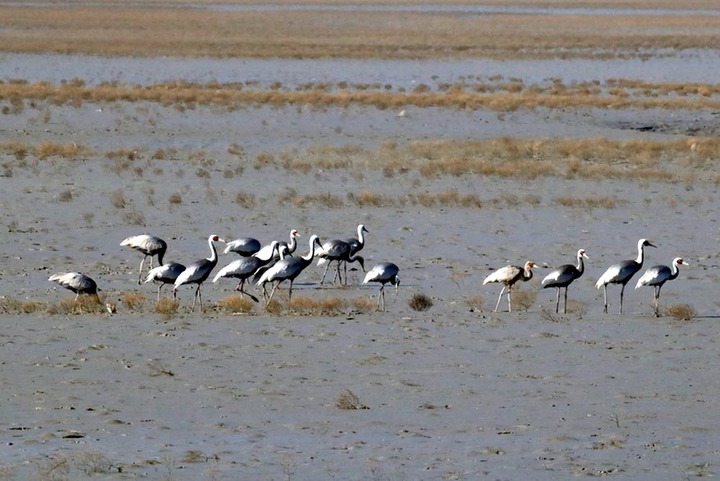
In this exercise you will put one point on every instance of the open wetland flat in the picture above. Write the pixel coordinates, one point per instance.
(458, 162)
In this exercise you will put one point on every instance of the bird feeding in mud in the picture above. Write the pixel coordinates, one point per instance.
(384, 273)
(80, 284)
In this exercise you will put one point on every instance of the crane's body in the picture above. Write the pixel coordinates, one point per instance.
(198, 272)
(165, 274)
(290, 247)
(657, 276)
(245, 246)
(288, 269)
(508, 276)
(622, 272)
(149, 245)
(563, 276)
(383, 273)
(243, 268)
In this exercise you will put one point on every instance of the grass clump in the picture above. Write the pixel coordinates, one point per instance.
(236, 304)
(307, 306)
(167, 307)
(245, 200)
(133, 300)
(117, 199)
(420, 302)
(680, 312)
(348, 400)
(9, 305)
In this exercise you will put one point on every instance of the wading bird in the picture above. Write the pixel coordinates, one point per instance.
(245, 246)
(288, 269)
(356, 245)
(165, 274)
(622, 272)
(563, 276)
(508, 276)
(80, 284)
(197, 272)
(385, 272)
(149, 245)
(244, 268)
(656, 276)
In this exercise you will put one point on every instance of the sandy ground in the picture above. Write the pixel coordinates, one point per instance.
(455, 392)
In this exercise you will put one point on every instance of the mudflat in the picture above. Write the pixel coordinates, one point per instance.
(453, 392)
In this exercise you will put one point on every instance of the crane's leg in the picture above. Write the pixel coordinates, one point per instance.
(381, 298)
(345, 266)
(325, 273)
(174, 293)
(622, 291)
(565, 308)
(290, 291)
(338, 274)
(657, 301)
(272, 292)
(159, 287)
(499, 299)
(140, 271)
(605, 297)
(509, 300)
(557, 301)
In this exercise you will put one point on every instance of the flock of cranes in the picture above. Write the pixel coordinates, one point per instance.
(563, 276)
(273, 263)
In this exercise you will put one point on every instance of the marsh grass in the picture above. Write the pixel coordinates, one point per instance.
(245, 200)
(348, 400)
(9, 305)
(65, 196)
(117, 198)
(602, 202)
(133, 300)
(167, 307)
(329, 306)
(364, 304)
(85, 304)
(475, 302)
(236, 304)
(680, 312)
(274, 307)
(420, 302)
(52, 149)
(523, 299)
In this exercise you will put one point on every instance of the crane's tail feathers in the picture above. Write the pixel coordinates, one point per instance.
(322, 261)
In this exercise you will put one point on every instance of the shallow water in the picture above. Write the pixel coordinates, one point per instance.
(701, 65)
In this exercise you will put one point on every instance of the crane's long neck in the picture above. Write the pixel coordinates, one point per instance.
(213, 252)
(309, 256)
(674, 271)
(160, 256)
(273, 248)
(527, 273)
(361, 236)
(641, 253)
(292, 245)
(580, 264)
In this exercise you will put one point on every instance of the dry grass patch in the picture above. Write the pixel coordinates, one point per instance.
(420, 302)
(245, 200)
(85, 304)
(602, 202)
(274, 307)
(236, 304)
(9, 305)
(167, 307)
(348, 400)
(65, 196)
(523, 299)
(367, 198)
(134, 218)
(175, 198)
(475, 302)
(117, 199)
(52, 149)
(307, 306)
(364, 304)
(326, 199)
(133, 300)
(680, 312)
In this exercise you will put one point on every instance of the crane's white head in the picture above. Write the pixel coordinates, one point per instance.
(645, 243)
(679, 260)
(581, 253)
(294, 233)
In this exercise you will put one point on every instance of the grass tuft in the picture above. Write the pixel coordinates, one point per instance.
(420, 302)
(236, 304)
(681, 312)
(167, 307)
(348, 400)
(133, 300)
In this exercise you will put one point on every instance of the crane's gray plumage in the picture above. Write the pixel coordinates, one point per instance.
(244, 268)
(80, 284)
(622, 272)
(508, 276)
(165, 274)
(340, 252)
(563, 276)
(656, 276)
(384, 273)
(197, 272)
(288, 269)
(149, 245)
(245, 246)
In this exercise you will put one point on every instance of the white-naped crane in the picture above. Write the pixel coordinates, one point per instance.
(243, 268)
(622, 272)
(508, 276)
(383, 273)
(288, 269)
(335, 251)
(165, 274)
(290, 247)
(340, 252)
(245, 246)
(563, 276)
(80, 284)
(149, 246)
(197, 272)
(658, 275)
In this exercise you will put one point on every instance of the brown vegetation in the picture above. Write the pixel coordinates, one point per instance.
(236, 304)
(168, 29)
